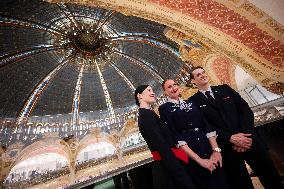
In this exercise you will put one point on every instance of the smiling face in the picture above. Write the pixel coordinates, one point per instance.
(172, 89)
(200, 78)
(147, 96)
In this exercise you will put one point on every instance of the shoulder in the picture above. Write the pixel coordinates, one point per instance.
(224, 88)
(146, 119)
(194, 97)
(145, 116)
(164, 106)
(146, 113)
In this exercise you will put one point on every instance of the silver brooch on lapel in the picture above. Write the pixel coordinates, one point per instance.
(183, 106)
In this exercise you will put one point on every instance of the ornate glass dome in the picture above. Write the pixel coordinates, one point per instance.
(68, 74)
(68, 65)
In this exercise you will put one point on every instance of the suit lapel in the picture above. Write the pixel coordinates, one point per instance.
(216, 94)
(217, 91)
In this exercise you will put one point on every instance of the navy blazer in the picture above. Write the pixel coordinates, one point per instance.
(159, 138)
(230, 114)
(187, 124)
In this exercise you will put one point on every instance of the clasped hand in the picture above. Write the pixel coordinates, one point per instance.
(212, 163)
(241, 142)
(216, 157)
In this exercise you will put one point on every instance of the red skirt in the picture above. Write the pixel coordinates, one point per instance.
(179, 153)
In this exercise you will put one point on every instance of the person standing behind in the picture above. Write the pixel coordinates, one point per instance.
(233, 120)
(168, 172)
(186, 123)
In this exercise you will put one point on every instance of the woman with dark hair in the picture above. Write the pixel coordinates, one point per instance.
(168, 171)
(195, 137)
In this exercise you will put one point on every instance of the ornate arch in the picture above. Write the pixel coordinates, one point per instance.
(40, 147)
(96, 136)
(130, 126)
(48, 144)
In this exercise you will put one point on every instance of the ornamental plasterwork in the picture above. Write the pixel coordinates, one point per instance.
(209, 17)
(19, 154)
(192, 49)
(96, 131)
(273, 86)
(95, 137)
(160, 11)
(222, 41)
(130, 126)
(254, 14)
(250, 8)
(220, 69)
(275, 25)
(70, 148)
(192, 54)
(42, 146)
(98, 170)
(212, 48)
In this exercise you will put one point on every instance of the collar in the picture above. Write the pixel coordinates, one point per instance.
(209, 89)
(175, 101)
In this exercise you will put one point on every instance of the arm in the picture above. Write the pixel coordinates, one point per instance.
(166, 118)
(215, 156)
(208, 164)
(150, 131)
(211, 135)
(207, 128)
(222, 134)
(245, 114)
(242, 141)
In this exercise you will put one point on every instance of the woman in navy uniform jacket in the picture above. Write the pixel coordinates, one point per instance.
(189, 127)
(168, 172)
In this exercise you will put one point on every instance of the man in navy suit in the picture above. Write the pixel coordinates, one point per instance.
(233, 120)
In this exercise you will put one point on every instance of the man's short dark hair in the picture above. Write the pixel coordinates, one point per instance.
(194, 68)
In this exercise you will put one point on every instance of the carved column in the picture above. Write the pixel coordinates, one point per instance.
(2, 173)
(71, 144)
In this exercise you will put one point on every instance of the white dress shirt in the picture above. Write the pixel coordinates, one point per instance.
(210, 90)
